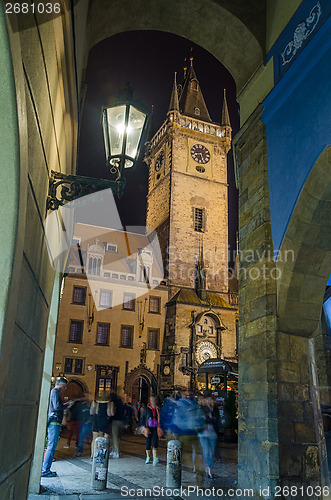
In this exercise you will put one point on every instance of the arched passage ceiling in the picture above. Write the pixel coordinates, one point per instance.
(233, 32)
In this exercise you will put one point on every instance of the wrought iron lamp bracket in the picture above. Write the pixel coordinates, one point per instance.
(64, 188)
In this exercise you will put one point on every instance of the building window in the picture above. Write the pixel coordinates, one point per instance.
(210, 330)
(128, 301)
(79, 295)
(105, 298)
(153, 339)
(197, 111)
(76, 331)
(154, 305)
(199, 328)
(106, 380)
(94, 266)
(103, 334)
(194, 85)
(74, 365)
(126, 336)
(199, 220)
(144, 273)
(78, 366)
(184, 356)
(219, 337)
(112, 247)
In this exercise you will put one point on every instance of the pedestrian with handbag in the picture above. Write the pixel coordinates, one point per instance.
(150, 421)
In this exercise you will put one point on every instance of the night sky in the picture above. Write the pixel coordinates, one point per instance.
(148, 61)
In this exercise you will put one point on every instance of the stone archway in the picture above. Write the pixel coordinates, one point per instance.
(280, 430)
(227, 31)
(304, 267)
(146, 381)
(305, 254)
(75, 389)
(51, 116)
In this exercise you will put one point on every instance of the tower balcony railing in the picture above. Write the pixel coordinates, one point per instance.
(190, 123)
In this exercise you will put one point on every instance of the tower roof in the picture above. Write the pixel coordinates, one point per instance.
(174, 103)
(191, 101)
(225, 112)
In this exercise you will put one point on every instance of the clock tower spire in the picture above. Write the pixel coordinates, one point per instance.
(174, 102)
(191, 101)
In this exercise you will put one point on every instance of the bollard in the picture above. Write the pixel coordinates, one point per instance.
(100, 463)
(174, 464)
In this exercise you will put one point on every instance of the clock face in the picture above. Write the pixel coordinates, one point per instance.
(200, 153)
(159, 161)
(166, 370)
(205, 350)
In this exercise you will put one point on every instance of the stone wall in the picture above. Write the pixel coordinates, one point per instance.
(258, 465)
(281, 439)
(47, 109)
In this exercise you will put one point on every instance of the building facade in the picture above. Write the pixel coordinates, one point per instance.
(111, 317)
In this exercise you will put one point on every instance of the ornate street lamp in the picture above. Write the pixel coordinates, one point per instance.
(123, 127)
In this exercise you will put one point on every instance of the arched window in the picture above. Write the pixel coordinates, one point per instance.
(94, 266)
(197, 111)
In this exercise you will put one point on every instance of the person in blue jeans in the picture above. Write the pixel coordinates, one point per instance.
(55, 416)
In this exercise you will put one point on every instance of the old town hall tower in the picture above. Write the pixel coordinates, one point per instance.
(188, 208)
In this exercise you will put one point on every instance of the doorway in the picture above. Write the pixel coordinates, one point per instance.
(140, 390)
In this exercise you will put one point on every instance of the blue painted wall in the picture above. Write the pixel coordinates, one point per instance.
(297, 114)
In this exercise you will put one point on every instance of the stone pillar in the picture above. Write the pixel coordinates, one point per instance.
(258, 464)
(302, 448)
(281, 441)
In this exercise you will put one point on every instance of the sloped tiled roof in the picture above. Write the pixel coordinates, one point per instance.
(189, 296)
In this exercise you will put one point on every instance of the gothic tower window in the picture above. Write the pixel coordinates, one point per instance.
(194, 85)
(199, 219)
(95, 255)
(197, 111)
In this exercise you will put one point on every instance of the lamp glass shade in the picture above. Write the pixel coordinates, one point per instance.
(113, 129)
(134, 132)
(123, 127)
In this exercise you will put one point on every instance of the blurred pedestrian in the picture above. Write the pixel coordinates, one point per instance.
(75, 421)
(150, 420)
(55, 416)
(87, 425)
(184, 418)
(129, 416)
(116, 413)
(100, 412)
(208, 436)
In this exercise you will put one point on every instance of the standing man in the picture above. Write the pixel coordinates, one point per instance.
(55, 416)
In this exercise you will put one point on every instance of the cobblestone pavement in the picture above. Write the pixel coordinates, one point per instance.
(130, 477)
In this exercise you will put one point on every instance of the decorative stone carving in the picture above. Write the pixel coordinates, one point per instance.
(301, 33)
